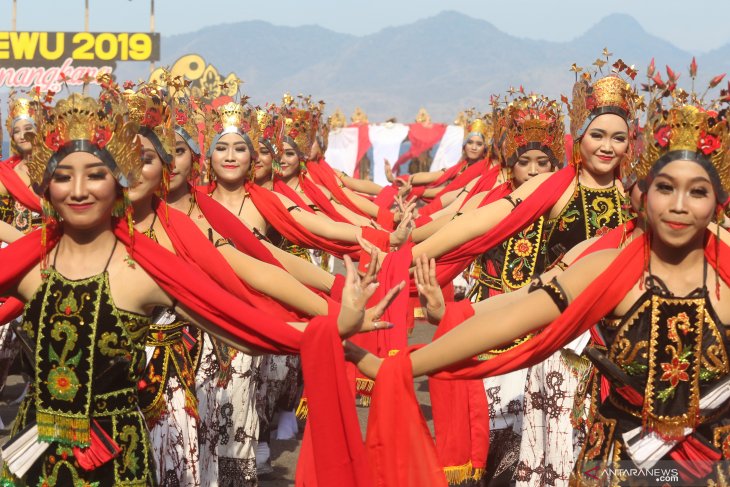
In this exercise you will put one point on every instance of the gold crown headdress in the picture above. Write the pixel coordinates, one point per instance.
(337, 120)
(423, 116)
(19, 109)
(300, 119)
(682, 126)
(184, 108)
(233, 118)
(269, 123)
(187, 116)
(149, 107)
(477, 124)
(533, 122)
(595, 94)
(359, 116)
(82, 124)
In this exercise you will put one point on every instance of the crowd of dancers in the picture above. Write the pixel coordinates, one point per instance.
(170, 294)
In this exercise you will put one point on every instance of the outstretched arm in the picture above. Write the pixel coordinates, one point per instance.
(189, 315)
(305, 272)
(274, 281)
(364, 204)
(360, 185)
(421, 178)
(424, 231)
(325, 227)
(9, 233)
(474, 223)
(464, 229)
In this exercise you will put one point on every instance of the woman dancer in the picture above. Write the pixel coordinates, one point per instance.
(432, 184)
(19, 206)
(533, 144)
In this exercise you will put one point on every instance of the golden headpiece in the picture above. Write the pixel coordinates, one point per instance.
(423, 116)
(359, 116)
(337, 120)
(82, 124)
(681, 126)
(597, 94)
(233, 118)
(477, 124)
(186, 122)
(499, 126)
(149, 108)
(300, 123)
(533, 122)
(269, 124)
(19, 109)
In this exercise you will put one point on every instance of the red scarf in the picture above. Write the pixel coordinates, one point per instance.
(482, 185)
(363, 144)
(614, 239)
(450, 264)
(497, 193)
(332, 465)
(480, 169)
(383, 342)
(315, 195)
(459, 407)
(399, 445)
(229, 226)
(460, 414)
(595, 302)
(16, 187)
(386, 197)
(281, 187)
(280, 218)
(422, 138)
(323, 174)
(486, 178)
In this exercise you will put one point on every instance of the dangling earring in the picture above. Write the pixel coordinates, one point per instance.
(252, 168)
(720, 216)
(123, 209)
(49, 217)
(577, 159)
(165, 183)
(119, 206)
(48, 209)
(275, 168)
(211, 174)
(647, 242)
(129, 213)
(195, 171)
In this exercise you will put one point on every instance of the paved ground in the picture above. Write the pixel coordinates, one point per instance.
(284, 454)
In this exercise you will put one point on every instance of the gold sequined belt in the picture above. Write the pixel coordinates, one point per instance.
(115, 402)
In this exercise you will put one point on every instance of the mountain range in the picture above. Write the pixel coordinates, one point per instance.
(444, 63)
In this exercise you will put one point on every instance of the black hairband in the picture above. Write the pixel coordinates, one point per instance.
(79, 146)
(533, 146)
(688, 155)
(152, 136)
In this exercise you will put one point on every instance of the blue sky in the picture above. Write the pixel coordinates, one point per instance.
(697, 26)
